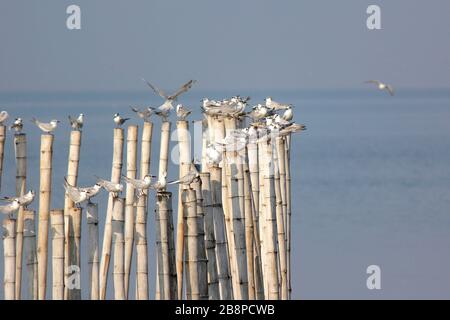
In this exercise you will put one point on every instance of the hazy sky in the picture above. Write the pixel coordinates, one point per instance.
(233, 44)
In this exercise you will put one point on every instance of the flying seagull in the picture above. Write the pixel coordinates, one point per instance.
(167, 105)
(77, 123)
(382, 86)
(46, 127)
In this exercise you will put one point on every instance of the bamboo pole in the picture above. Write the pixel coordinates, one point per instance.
(132, 137)
(223, 268)
(185, 162)
(45, 186)
(107, 235)
(270, 226)
(249, 233)
(261, 211)
(210, 239)
(93, 259)
(2, 150)
(172, 259)
(73, 272)
(287, 159)
(281, 236)
(20, 148)
(29, 242)
(71, 252)
(163, 240)
(141, 218)
(57, 227)
(118, 247)
(9, 257)
(202, 264)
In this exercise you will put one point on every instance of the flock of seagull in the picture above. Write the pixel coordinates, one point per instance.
(265, 119)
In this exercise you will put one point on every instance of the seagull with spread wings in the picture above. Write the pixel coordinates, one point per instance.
(382, 86)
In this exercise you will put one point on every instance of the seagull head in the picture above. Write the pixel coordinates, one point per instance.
(54, 122)
(115, 115)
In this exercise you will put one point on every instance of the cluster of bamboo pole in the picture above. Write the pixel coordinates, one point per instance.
(233, 225)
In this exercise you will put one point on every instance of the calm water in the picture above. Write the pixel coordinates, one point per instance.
(371, 183)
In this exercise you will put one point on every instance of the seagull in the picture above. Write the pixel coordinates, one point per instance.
(213, 155)
(10, 208)
(293, 128)
(46, 127)
(188, 178)
(161, 184)
(144, 114)
(75, 194)
(23, 200)
(140, 185)
(17, 125)
(77, 123)
(111, 187)
(3, 117)
(259, 111)
(91, 191)
(382, 86)
(118, 120)
(273, 105)
(182, 112)
(167, 105)
(288, 114)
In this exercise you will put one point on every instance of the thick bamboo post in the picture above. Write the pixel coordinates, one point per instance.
(72, 273)
(45, 187)
(93, 247)
(270, 226)
(57, 227)
(20, 148)
(223, 268)
(281, 236)
(72, 177)
(132, 137)
(29, 242)
(9, 257)
(141, 218)
(261, 211)
(118, 246)
(2, 149)
(287, 160)
(107, 234)
(249, 233)
(172, 259)
(185, 162)
(164, 148)
(201, 251)
(210, 238)
(163, 234)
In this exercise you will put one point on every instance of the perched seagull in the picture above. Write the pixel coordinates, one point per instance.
(164, 114)
(273, 105)
(189, 177)
(140, 184)
(75, 194)
(118, 120)
(293, 128)
(288, 114)
(182, 112)
(10, 208)
(161, 184)
(259, 111)
(77, 123)
(91, 191)
(3, 117)
(23, 200)
(167, 105)
(280, 120)
(382, 86)
(213, 155)
(144, 114)
(46, 127)
(209, 103)
(111, 187)
(17, 125)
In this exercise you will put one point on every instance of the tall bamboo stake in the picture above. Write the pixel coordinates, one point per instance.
(72, 273)
(20, 148)
(57, 227)
(261, 212)
(223, 268)
(93, 259)
(2, 149)
(141, 218)
(172, 260)
(118, 245)
(107, 235)
(9, 257)
(129, 202)
(72, 177)
(201, 251)
(45, 186)
(249, 233)
(29, 239)
(287, 159)
(185, 162)
(210, 238)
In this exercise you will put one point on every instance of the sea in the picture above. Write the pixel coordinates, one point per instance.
(370, 183)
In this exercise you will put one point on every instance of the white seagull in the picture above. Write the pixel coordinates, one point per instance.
(161, 184)
(167, 105)
(182, 112)
(118, 120)
(46, 127)
(382, 86)
(10, 208)
(3, 117)
(140, 184)
(23, 200)
(17, 125)
(75, 194)
(213, 155)
(144, 114)
(111, 187)
(77, 123)
(288, 114)
(273, 105)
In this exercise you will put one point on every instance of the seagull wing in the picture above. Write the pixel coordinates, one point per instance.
(185, 87)
(390, 89)
(159, 92)
(373, 81)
